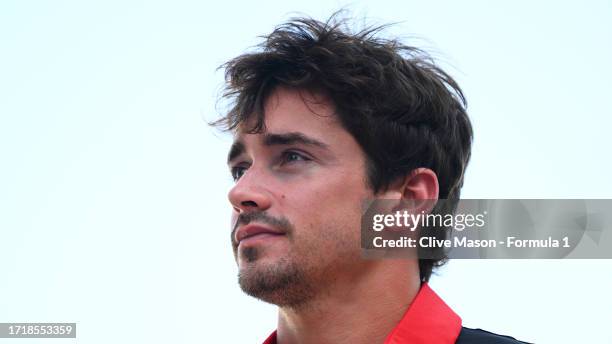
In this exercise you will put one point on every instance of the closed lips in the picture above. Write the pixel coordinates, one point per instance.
(252, 230)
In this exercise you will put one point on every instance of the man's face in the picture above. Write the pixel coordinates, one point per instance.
(297, 200)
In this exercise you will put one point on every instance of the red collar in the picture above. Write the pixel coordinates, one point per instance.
(428, 320)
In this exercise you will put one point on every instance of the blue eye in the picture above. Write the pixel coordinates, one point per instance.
(293, 156)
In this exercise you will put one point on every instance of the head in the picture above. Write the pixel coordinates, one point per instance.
(324, 119)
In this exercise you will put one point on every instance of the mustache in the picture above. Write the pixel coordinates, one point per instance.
(279, 223)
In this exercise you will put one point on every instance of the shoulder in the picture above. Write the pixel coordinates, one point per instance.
(478, 336)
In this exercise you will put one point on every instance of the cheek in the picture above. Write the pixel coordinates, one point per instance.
(327, 213)
(330, 202)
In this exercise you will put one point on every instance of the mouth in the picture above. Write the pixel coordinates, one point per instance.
(253, 234)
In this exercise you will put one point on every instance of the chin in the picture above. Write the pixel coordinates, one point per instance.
(278, 282)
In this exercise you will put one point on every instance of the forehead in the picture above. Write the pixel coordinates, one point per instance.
(293, 110)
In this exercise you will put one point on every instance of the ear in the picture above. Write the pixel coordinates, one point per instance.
(420, 184)
(419, 190)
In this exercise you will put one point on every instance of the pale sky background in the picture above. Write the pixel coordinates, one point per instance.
(113, 207)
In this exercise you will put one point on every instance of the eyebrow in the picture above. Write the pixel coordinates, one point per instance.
(277, 140)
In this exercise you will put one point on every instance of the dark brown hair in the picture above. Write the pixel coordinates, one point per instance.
(403, 110)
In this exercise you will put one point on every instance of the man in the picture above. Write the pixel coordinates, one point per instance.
(324, 119)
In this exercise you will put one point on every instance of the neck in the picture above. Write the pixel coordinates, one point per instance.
(362, 308)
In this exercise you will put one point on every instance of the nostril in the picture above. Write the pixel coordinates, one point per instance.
(249, 204)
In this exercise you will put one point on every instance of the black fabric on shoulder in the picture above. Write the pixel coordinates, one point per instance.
(478, 336)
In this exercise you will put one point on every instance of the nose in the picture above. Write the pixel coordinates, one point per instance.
(250, 194)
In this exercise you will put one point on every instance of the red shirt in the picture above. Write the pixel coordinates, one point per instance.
(428, 320)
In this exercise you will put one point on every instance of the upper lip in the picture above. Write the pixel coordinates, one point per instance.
(254, 229)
